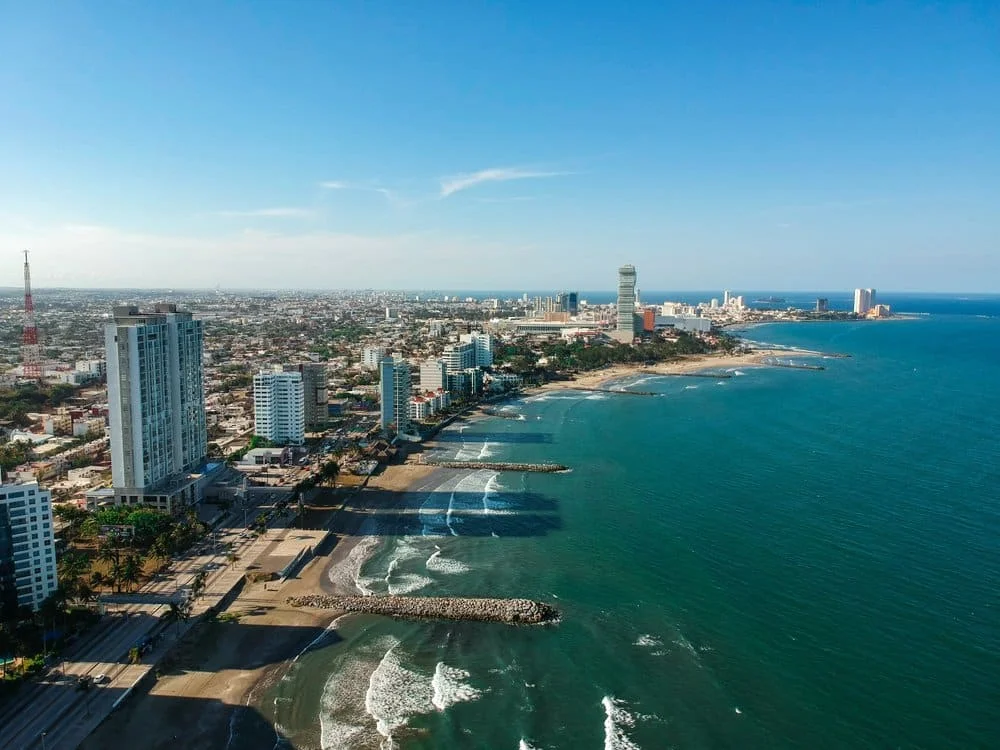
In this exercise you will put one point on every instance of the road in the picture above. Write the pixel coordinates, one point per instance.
(54, 707)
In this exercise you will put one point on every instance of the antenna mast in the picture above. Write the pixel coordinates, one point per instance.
(31, 357)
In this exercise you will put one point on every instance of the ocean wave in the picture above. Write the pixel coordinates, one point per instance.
(446, 565)
(690, 387)
(617, 720)
(523, 745)
(394, 694)
(647, 641)
(450, 687)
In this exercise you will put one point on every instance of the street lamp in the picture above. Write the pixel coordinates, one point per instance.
(43, 740)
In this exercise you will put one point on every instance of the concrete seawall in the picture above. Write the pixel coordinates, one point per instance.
(508, 611)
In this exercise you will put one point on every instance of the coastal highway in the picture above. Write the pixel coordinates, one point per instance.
(54, 706)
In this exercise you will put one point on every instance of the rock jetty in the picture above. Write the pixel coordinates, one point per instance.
(494, 466)
(509, 611)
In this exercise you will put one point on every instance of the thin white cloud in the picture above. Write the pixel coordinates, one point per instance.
(456, 183)
(271, 213)
(341, 185)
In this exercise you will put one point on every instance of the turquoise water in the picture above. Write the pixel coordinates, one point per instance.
(779, 559)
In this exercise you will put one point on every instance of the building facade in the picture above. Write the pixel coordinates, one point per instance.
(459, 357)
(279, 407)
(156, 399)
(864, 300)
(371, 356)
(625, 321)
(27, 549)
(483, 344)
(569, 302)
(433, 375)
(394, 395)
(314, 393)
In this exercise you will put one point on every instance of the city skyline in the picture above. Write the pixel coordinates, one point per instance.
(342, 147)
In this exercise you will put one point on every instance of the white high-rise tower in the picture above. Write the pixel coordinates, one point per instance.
(626, 299)
(279, 407)
(156, 402)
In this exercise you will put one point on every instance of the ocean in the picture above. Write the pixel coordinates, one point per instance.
(777, 559)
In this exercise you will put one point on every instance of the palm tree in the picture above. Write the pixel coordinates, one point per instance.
(198, 584)
(131, 571)
(177, 613)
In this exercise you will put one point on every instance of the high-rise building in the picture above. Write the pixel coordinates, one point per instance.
(27, 552)
(864, 300)
(279, 407)
(459, 357)
(433, 375)
(727, 298)
(394, 393)
(569, 302)
(483, 343)
(156, 403)
(822, 304)
(371, 356)
(314, 393)
(626, 299)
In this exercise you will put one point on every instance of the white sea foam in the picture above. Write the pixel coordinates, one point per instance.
(348, 576)
(450, 687)
(616, 721)
(523, 745)
(446, 565)
(408, 583)
(647, 641)
(484, 452)
(738, 373)
(721, 382)
(343, 719)
(394, 694)
(690, 387)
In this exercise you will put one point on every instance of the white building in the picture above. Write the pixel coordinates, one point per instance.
(459, 357)
(94, 368)
(864, 300)
(625, 319)
(433, 375)
(394, 394)
(279, 407)
(27, 552)
(156, 402)
(483, 343)
(371, 356)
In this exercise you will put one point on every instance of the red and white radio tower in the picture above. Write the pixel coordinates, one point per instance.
(30, 354)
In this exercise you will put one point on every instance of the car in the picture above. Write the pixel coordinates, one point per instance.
(100, 679)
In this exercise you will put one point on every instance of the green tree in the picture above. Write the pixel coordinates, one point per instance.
(131, 570)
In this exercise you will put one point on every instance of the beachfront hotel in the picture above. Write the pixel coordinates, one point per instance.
(156, 405)
(864, 300)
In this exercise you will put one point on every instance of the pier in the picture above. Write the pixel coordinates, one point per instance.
(497, 466)
(501, 414)
(508, 611)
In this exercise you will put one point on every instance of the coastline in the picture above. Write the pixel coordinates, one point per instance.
(220, 671)
(227, 668)
(687, 366)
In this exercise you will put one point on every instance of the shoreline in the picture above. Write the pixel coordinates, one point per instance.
(229, 667)
(687, 366)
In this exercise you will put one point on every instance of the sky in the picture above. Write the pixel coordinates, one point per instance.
(510, 145)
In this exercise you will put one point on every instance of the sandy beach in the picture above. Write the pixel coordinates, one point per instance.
(692, 364)
(213, 678)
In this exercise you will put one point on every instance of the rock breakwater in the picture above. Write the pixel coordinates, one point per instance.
(509, 611)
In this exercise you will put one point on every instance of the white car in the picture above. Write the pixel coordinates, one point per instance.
(100, 679)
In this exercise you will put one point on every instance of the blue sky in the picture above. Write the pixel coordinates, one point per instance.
(756, 145)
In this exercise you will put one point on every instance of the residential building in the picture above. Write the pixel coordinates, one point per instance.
(279, 407)
(314, 393)
(469, 382)
(626, 299)
(864, 300)
(433, 375)
(394, 394)
(822, 305)
(459, 357)
(27, 549)
(483, 343)
(371, 356)
(156, 404)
